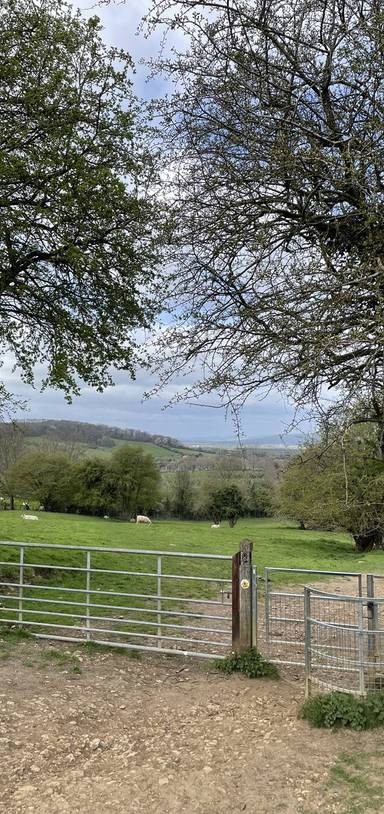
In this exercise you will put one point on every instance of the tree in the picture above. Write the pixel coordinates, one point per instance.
(134, 481)
(92, 487)
(258, 497)
(226, 504)
(338, 482)
(44, 477)
(277, 187)
(11, 447)
(76, 233)
(183, 495)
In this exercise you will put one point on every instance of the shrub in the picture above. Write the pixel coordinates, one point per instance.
(339, 709)
(251, 663)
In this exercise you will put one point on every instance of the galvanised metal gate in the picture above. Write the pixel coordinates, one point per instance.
(344, 642)
(282, 637)
(128, 598)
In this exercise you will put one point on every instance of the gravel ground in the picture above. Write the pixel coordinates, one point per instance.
(159, 735)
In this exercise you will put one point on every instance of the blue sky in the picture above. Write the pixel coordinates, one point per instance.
(122, 405)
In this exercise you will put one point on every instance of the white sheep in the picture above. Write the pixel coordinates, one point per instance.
(29, 517)
(215, 526)
(142, 518)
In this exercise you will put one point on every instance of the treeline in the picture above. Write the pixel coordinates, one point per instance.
(217, 496)
(126, 485)
(130, 483)
(96, 435)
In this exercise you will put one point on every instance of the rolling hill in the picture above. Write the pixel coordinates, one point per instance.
(100, 440)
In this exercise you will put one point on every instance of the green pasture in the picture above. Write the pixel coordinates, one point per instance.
(276, 543)
(87, 451)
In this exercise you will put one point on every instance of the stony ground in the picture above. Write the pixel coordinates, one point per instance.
(107, 733)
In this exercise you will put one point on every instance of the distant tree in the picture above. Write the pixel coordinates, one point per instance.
(93, 491)
(259, 498)
(46, 478)
(106, 442)
(338, 482)
(183, 495)
(134, 481)
(11, 447)
(76, 233)
(226, 504)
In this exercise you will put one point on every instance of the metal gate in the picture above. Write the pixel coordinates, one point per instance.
(158, 601)
(344, 642)
(282, 637)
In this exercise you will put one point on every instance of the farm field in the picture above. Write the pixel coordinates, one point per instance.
(88, 451)
(276, 543)
(63, 582)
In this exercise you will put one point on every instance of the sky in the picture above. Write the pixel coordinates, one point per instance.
(123, 405)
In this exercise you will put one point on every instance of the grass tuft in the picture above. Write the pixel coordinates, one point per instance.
(14, 634)
(94, 647)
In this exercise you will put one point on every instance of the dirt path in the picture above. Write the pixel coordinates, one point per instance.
(159, 736)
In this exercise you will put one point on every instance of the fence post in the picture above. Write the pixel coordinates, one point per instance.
(361, 647)
(159, 601)
(254, 606)
(307, 640)
(372, 627)
(266, 601)
(87, 595)
(242, 616)
(21, 584)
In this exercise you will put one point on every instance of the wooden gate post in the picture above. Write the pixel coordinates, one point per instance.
(242, 611)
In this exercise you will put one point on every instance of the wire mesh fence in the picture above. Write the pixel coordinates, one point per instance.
(283, 635)
(344, 642)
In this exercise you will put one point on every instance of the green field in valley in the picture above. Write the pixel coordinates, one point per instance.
(276, 543)
(88, 451)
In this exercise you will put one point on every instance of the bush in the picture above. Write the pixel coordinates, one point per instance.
(339, 709)
(251, 663)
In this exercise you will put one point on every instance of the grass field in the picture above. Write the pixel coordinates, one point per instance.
(87, 451)
(275, 544)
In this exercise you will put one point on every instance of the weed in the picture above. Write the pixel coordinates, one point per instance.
(251, 663)
(339, 709)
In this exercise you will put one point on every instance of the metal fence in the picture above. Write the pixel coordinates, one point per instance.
(170, 602)
(283, 635)
(128, 598)
(344, 642)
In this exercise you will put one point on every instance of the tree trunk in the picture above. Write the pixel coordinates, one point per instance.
(12, 502)
(302, 525)
(368, 540)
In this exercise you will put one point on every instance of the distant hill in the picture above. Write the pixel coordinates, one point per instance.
(264, 442)
(101, 439)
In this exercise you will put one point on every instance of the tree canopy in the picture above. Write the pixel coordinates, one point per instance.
(274, 141)
(226, 503)
(77, 233)
(337, 482)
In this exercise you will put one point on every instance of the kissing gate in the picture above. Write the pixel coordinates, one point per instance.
(168, 604)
